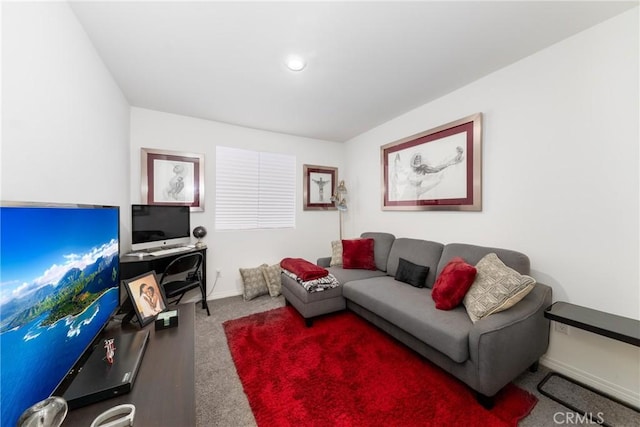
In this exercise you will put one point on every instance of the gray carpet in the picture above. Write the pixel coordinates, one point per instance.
(220, 400)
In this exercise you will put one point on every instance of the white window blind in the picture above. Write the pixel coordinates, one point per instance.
(254, 189)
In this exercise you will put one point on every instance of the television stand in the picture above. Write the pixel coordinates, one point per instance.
(164, 391)
(98, 380)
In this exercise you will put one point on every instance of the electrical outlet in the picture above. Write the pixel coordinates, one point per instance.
(562, 328)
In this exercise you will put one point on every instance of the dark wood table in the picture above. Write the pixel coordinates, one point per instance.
(164, 390)
(606, 324)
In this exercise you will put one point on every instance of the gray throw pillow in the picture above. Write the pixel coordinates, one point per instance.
(254, 283)
(273, 278)
(336, 253)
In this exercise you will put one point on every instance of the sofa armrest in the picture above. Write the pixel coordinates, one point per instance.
(324, 261)
(505, 344)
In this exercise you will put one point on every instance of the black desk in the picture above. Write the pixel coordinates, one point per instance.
(132, 266)
(609, 325)
(164, 390)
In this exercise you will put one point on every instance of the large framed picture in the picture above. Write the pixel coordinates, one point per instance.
(147, 298)
(172, 178)
(319, 185)
(439, 169)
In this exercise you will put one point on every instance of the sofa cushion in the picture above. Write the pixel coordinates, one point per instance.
(381, 246)
(358, 253)
(496, 288)
(347, 275)
(472, 254)
(413, 310)
(421, 252)
(413, 274)
(453, 283)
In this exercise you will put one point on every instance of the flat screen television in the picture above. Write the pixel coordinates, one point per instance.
(59, 266)
(157, 226)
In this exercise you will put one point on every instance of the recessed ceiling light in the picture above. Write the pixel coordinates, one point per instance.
(296, 63)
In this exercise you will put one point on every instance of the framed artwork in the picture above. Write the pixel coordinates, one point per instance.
(146, 297)
(319, 185)
(172, 178)
(439, 169)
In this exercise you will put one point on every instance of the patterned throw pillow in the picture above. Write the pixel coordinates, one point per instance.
(336, 253)
(272, 277)
(496, 288)
(254, 283)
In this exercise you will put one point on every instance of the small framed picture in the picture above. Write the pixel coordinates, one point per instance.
(319, 185)
(146, 297)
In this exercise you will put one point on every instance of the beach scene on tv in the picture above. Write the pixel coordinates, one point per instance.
(59, 287)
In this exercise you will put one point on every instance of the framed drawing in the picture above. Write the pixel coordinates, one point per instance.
(319, 185)
(440, 169)
(146, 297)
(172, 178)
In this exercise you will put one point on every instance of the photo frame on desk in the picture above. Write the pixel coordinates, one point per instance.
(147, 297)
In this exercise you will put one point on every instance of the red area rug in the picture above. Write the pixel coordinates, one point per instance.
(345, 372)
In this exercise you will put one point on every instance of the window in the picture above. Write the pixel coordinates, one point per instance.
(254, 189)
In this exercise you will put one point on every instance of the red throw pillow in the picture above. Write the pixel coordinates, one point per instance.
(358, 253)
(453, 283)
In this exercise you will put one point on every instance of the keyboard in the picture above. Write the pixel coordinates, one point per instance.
(170, 251)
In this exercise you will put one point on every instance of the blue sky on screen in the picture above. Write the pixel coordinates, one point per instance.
(39, 244)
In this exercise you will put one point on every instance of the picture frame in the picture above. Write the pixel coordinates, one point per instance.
(319, 185)
(439, 169)
(172, 178)
(141, 290)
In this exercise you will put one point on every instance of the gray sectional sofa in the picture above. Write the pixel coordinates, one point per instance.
(485, 355)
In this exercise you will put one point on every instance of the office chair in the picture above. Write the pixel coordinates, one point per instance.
(181, 275)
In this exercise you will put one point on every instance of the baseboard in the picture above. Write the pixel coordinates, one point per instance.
(197, 296)
(224, 294)
(630, 396)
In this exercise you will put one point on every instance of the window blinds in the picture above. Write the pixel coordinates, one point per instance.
(254, 189)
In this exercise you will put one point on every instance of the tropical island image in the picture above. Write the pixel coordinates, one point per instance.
(76, 291)
(57, 292)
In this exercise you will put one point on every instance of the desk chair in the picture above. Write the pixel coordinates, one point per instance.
(181, 275)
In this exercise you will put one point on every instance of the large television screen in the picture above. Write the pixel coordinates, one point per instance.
(59, 267)
(155, 226)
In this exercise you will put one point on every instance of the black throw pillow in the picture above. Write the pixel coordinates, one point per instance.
(413, 274)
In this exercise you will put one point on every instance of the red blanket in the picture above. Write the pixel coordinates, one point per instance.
(303, 268)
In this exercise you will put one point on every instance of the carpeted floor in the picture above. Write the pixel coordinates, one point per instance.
(221, 401)
(345, 372)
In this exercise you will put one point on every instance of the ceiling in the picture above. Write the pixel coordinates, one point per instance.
(367, 62)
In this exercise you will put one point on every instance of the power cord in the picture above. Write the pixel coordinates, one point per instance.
(214, 283)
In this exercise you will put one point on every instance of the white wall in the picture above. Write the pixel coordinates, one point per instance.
(231, 250)
(560, 182)
(65, 123)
